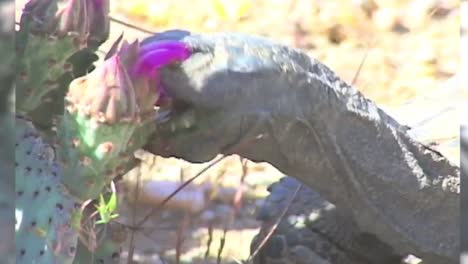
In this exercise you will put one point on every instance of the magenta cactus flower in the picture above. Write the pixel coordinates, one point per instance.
(157, 54)
(127, 82)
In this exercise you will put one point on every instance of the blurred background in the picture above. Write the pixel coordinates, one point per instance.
(412, 45)
(393, 51)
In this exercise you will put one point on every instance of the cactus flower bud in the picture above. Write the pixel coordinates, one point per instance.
(89, 19)
(111, 93)
(86, 19)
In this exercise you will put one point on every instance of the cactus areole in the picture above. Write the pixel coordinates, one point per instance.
(109, 114)
(54, 31)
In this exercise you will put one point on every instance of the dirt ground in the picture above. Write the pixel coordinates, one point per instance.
(409, 48)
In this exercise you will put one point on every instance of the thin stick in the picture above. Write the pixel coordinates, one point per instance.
(272, 230)
(155, 209)
(210, 240)
(221, 245)
(131, 247)
(356, 75)
(118, 21)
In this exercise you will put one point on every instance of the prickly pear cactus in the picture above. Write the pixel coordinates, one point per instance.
(77, 127)
(51, 35)
(107, 113)
(44, 209)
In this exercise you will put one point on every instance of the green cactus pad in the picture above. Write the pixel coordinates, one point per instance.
(44, 61)
(45, 213)
(108, 115)
(51, 32)
(94, 153)
(51, 108)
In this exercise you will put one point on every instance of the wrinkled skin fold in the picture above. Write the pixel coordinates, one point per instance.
(267, 102)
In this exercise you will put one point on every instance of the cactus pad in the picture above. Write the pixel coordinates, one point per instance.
(109, 114)
(44, 211)
(44, 61)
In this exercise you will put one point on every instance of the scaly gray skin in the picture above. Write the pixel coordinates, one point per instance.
(312, 224)
(292, 111)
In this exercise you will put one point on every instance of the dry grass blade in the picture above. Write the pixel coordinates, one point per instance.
(129, 25)
(273, 228)
(237, 201)
(136, 226)
(210, 240)
(180, 236)
(131, 246)
(238, 144)
(356, 75)
(87, 235)
(221, 245)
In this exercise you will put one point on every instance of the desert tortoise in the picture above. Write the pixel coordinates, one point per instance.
(314, 230)
(298, 115)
